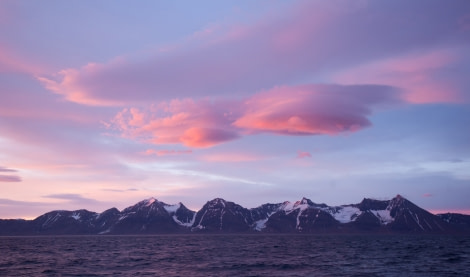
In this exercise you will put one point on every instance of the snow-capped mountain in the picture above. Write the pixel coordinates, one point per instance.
(151, 216)
(300, 216)
(66, 222)
(221, 215)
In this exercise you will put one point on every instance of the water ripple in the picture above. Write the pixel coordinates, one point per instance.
(235, 255)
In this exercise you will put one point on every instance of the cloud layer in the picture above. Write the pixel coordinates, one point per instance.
(313, 109)
(312, 38)
(297, 110)
(8, 178)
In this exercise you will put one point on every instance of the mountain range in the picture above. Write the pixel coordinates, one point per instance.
(150, 216)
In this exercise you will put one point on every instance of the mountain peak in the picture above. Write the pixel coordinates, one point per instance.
(399, 198)
(373, 204)
(396, 202)
(150, 201)
(302, 204)
(217, 201)
(218, 215)
(305, 200)
(146, 202)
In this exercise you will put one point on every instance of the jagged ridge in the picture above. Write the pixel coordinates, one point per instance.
(151, 216)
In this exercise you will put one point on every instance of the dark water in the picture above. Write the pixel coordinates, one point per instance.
(235, 255)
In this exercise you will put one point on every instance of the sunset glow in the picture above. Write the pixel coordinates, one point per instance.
(103, 104)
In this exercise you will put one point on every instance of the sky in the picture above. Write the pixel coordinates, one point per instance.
(106, 103)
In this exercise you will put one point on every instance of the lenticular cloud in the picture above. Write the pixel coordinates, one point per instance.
(313, 109)
(288, 110)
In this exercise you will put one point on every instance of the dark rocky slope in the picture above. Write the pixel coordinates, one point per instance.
(151, 216)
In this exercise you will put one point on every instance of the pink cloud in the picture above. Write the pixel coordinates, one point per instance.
(419, 75)
(310, 39)
(192, 123)
(287, 110)
(73, 85)
(303, 154)
(206, 137)
(427, 195)
(313, 109)
(203, 69)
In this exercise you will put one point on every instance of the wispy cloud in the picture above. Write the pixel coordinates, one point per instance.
(232, 157)
(213, 176)
(419, 75)
(5, 169)
(72, 197)
(121, 190)
(167, 152)
(22, 209)
(9, 178)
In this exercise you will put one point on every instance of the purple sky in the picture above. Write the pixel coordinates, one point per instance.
(106, 103)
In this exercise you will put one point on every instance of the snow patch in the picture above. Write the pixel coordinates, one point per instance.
(289, 206)
(383, 215)
(416, 218)
(199, 226)
(346, 214)
(185, 224)
(297, 226)
(172, 208)
(260, 224)
(75, 216)
(125, 216)
(51, 220)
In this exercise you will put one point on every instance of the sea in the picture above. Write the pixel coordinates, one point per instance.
(236, 255)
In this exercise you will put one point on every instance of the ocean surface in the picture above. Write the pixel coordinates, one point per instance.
(236, 255)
